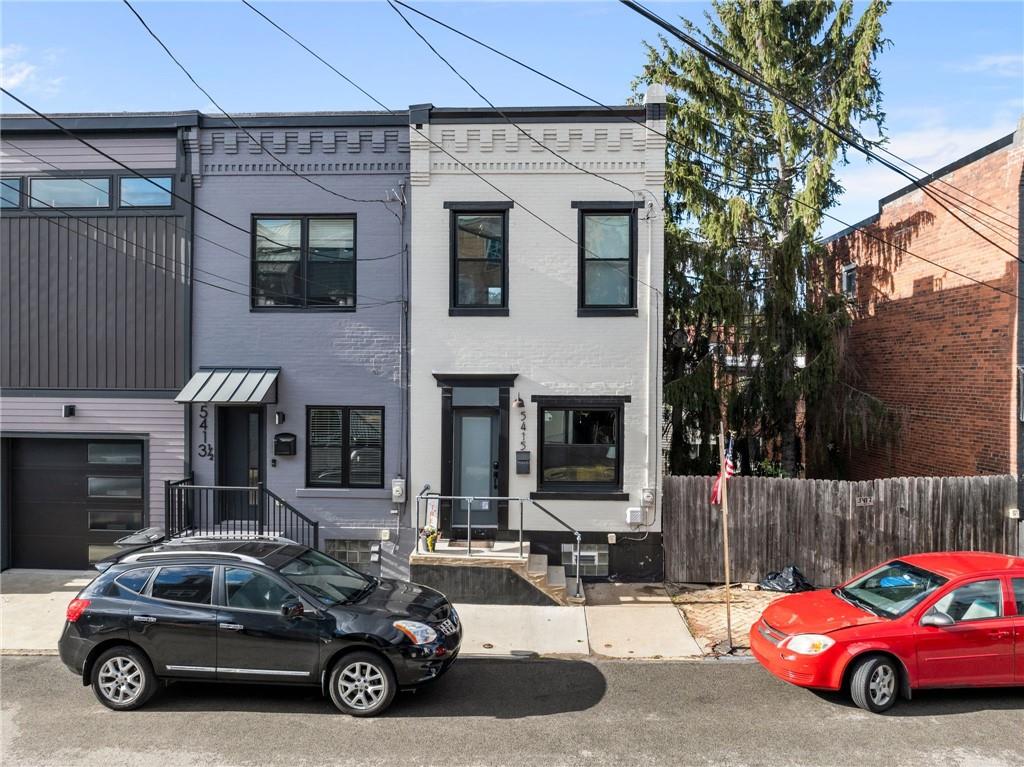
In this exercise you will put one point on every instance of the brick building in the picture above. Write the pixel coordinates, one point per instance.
(938, 348)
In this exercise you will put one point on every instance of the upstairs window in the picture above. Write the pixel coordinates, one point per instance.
(10, 192)
(607, 271)
(345, 447)
(850, 280)
(479, 260)
(305, 262)
(69, 193)
(152, 192)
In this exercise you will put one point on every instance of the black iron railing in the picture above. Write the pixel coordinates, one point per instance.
(234, 512)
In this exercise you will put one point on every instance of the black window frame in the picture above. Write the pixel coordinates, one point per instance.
(582, 490)
(586, 209)
(304, 219)
(345, 483)
(21, 192)
(456, 209)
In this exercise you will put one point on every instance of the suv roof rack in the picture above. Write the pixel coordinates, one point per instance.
(146, 556)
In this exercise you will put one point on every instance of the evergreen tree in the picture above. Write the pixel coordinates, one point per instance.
(753, 313)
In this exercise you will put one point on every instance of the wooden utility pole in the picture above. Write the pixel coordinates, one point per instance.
(724, 491)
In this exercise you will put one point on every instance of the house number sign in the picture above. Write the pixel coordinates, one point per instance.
(522, 429)
(205, 449)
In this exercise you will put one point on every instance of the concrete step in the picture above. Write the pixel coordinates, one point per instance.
(556, 577)
(538, 564)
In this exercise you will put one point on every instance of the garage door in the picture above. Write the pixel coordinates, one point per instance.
(72, 498)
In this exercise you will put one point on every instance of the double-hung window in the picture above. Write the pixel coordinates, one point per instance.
(345, 447)
(580, 444)
(304, 262)
(479, 258)
(607, 253)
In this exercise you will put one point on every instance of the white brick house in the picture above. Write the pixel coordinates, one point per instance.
(535, 354)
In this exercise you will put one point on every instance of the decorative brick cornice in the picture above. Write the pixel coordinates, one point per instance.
(305, 141)
(570, 139)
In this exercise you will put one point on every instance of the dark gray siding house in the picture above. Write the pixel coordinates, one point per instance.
(297, 384)
(94, 343)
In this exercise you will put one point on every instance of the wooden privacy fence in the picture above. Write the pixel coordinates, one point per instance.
(831, 530)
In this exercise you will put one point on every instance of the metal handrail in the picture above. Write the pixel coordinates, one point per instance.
(510, 499)
(191, 507)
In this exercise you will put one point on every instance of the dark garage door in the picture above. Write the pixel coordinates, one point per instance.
(72, 498)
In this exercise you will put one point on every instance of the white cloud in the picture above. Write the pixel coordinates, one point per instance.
(932, 141)
(23, 73)
(999, 65)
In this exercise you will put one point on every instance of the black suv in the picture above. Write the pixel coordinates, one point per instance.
(264, 610)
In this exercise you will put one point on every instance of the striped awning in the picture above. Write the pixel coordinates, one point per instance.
(231, 386)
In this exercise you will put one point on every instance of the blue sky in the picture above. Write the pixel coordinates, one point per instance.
(953, 78)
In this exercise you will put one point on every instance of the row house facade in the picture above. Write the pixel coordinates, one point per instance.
(94, 292)
(310, 323)
(936, 331)
(535, 340)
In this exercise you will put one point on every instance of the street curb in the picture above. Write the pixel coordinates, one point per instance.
(44, 652)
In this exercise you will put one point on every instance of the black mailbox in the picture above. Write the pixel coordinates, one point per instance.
(284, 444)
(522, 462)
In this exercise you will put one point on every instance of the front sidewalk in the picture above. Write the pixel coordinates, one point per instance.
(620, 620)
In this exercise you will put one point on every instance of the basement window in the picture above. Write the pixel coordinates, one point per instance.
(593, 560)
(356, 553)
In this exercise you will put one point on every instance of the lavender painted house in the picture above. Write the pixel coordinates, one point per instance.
(298, 385)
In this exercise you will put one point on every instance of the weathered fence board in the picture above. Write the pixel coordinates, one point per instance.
(832, 530)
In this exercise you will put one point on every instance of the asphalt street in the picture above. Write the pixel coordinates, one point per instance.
(509, 712)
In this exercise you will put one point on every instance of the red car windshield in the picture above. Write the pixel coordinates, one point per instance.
(892, 589)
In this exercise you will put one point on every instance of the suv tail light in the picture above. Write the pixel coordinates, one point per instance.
(76, 608)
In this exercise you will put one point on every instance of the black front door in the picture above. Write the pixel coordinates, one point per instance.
(240, 464)
(255, 642)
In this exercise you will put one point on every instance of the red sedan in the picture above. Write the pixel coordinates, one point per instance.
(929, 620)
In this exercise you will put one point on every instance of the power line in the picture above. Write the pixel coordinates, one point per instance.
(163, 189)
(232, 120)
(756, 80)
(713, 160)
(131, 242)
(504, 116)
(427, 138)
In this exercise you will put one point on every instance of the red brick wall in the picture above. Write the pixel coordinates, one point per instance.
(934, 346)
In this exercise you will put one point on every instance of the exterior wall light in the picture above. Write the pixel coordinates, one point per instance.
(518, 401)
(67, 411)
(278, 418)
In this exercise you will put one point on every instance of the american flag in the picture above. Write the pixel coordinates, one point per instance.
(728, 470)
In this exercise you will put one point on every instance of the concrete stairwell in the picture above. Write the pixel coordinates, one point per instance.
(493, 573)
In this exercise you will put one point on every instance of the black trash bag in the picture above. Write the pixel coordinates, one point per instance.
(790, 580)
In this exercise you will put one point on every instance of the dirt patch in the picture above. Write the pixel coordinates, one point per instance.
(703, 609)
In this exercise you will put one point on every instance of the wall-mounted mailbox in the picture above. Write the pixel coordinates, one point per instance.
(284, 444)
(522, 462)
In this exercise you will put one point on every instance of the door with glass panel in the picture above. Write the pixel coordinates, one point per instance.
(476, 469)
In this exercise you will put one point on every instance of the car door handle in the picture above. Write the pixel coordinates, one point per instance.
(231, 626)
(143, 619)
(999, 634)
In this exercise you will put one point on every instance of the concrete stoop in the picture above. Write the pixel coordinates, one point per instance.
(493, 574)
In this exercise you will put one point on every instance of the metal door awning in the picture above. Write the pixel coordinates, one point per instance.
(231, 386)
